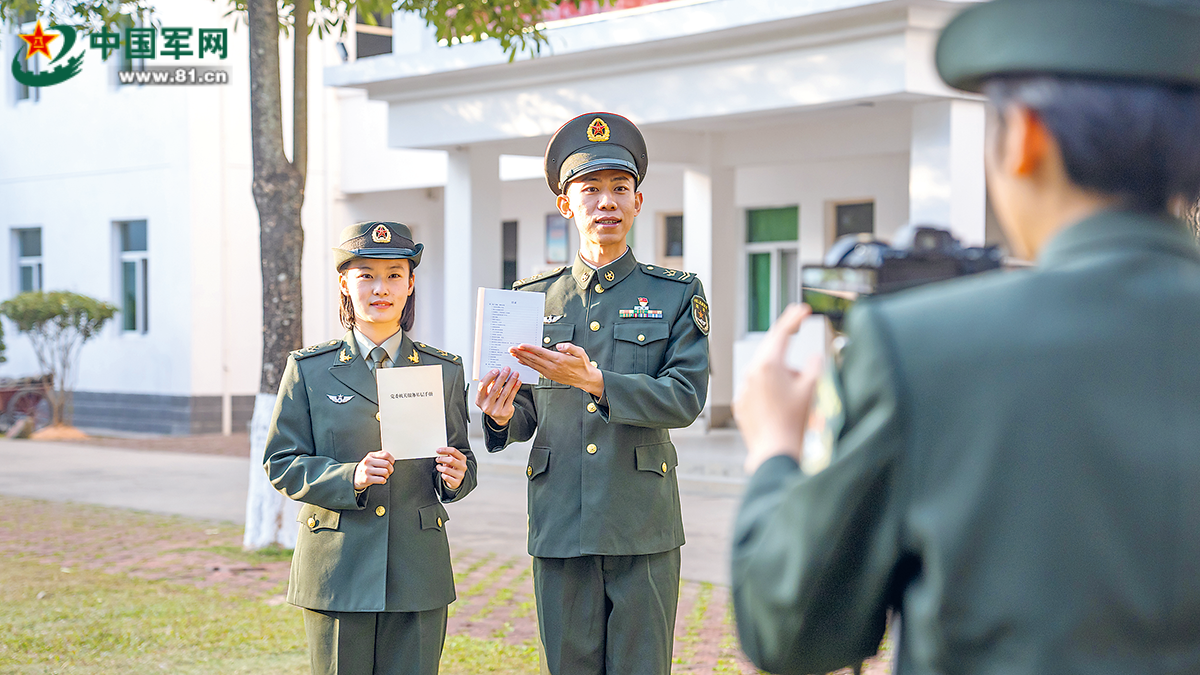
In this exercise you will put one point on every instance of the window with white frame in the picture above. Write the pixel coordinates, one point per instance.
(772, 264)
(133, 265)
(29, 259)
(372, 34)
(24, 92)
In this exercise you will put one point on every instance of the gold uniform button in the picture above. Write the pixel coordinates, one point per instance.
(312, 522)
(664, 467)
(377, 418)
(529, 471)
(545, 340)
(595, 326)
(591, 448)
(440, 518)
(599, 288)
(591, 407)
(641, 338)
(379, 510)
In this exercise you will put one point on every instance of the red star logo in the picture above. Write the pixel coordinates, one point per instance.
(38, 41)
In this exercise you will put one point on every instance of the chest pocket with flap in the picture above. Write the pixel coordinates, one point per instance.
(640, 345)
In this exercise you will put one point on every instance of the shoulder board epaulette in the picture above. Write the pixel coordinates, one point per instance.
(319, 348)
(538, 277)
(668, 273)
(434, 351)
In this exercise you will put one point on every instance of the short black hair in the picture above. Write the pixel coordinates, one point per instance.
(408, 316)
(1137, 141)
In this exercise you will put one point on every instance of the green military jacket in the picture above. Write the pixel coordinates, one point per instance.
(384, 549)
(602, 473)
(1016, 473)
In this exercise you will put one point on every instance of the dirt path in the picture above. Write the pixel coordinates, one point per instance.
(495, 592)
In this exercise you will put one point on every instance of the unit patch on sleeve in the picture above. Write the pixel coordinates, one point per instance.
(700, 313)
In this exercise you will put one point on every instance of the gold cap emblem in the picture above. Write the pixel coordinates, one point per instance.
(381, 234)
(597, 131)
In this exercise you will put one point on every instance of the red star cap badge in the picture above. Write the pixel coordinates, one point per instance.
(38, 41)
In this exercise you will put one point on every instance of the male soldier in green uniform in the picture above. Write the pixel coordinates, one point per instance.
(623, 359)
(1016, 461)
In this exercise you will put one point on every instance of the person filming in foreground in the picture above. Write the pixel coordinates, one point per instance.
(1015, 460)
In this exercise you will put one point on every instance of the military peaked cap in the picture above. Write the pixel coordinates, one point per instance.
(377, 239)
(594, 142)
(1147, 40)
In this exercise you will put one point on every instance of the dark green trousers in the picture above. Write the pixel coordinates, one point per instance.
(606, 614)
(375, 643)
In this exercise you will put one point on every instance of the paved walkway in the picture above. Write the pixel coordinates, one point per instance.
(491, 519)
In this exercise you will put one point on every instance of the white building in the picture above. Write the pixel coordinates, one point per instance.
(772, 127)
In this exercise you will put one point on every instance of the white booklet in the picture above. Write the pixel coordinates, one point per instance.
(506, 319)
(412, 411)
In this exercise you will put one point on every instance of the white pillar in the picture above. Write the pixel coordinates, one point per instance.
(709, 246)
(471, 244)
(946, 181)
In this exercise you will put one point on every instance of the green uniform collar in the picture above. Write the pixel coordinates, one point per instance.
(1119, 230)
(606, 277)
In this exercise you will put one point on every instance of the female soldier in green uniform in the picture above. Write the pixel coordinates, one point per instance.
(372, 564)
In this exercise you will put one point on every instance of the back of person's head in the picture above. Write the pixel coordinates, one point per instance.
(1137, 141)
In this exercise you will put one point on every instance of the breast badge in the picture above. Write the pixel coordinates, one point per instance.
(642, 311)
(339, 398)
(700, 313)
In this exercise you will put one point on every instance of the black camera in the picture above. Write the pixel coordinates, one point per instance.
(857, 265)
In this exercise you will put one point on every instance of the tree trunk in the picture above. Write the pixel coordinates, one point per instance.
(278, 189)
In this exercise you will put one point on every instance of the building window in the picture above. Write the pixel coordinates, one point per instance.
(134, 267)
(510, 252)
(29, 259)
(557, 242)
(127, 63)
(853, 218)
(23, 92)
(673, 236)
(772, 263)
(372, 34)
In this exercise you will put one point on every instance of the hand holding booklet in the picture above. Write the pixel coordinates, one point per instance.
(506, 319)
(412, 411)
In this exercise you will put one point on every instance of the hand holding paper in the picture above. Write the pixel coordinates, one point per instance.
(567, 364)
(452, 464)
(497, 391)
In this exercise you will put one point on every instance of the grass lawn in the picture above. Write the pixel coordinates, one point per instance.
(58, 620)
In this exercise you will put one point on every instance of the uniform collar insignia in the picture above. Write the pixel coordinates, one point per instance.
(610, 275)
(340, 398)
(413, 357)
(345, 356)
